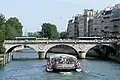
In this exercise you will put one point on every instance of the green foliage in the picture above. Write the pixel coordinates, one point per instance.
(2, 32)
(13, 28)
(33, 34)
(2, 18)
(2, 27)
(9, 30)
(49, 31)
(2, 50)
(63, 35)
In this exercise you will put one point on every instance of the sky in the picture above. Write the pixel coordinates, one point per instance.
(32, 13)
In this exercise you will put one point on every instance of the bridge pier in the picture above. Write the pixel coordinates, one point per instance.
(41, 55)
(5, 58)
(8, 58)
(82, 54)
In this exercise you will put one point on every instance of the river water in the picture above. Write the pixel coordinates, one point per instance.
(33, 69)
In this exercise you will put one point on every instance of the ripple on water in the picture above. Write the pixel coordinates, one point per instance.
(35, 70)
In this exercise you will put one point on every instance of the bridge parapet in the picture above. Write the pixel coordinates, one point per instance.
(22, 41)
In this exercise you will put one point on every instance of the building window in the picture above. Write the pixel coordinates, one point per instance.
(115, 26)
(102, 30)
(76, 18)
(115, 32)
(95, 29)
(106, 27)
(106, 17)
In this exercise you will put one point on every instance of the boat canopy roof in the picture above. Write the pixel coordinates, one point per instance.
(62, 56)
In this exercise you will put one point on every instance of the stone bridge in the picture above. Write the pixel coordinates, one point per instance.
(81, 47)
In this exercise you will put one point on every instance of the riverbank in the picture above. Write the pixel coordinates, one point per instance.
(1, 59)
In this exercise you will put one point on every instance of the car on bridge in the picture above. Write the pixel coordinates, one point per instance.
(63, 62)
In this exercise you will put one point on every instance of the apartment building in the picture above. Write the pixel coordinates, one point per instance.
(104, 23)
(80, 24)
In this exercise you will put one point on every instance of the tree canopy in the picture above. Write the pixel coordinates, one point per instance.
(49, 31)
(13, 28)
(63, 35)
(2, 32)
(9, 29)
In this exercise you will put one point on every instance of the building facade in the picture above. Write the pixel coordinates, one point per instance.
(95, 25)
(115, 20)
(70, 29)
(104, 23)
(79, 24)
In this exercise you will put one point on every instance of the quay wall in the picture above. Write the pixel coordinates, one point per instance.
(1, 59)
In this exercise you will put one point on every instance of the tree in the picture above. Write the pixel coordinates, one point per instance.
(2, 27)
(13, 28)
(34, 34)
(49, 31)
(2, 32)
(9, 30)
(2, 18)
(63, 35)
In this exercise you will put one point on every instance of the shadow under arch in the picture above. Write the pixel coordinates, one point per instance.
(64, 50)
(101, 51)
(12, 48)
(9, 56)
(27, 46)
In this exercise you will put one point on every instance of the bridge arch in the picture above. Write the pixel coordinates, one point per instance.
(31, 47)
(70, 47)
(11, 48)
(103, 51)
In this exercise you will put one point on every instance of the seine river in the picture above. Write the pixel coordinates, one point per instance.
(28, 68)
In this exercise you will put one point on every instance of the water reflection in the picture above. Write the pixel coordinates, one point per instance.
(26, 54)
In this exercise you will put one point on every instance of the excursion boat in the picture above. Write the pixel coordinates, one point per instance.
(63, 62)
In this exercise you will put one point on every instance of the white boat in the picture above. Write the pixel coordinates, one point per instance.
(63, 62)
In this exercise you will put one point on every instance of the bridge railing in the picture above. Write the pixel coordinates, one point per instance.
(20, 41)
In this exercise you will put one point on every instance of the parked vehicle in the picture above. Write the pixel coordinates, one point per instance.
(63, 62)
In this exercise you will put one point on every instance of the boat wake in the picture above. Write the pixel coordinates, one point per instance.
(66, 73)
